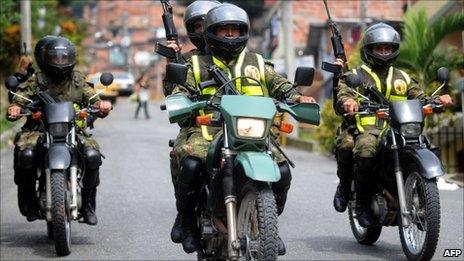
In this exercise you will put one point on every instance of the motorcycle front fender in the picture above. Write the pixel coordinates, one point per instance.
(58, 157)
(429, 165)
(258, 166)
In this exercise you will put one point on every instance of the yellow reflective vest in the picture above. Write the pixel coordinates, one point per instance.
(247, 64)
(395, 88)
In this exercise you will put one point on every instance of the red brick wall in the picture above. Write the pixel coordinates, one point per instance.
(313, 11)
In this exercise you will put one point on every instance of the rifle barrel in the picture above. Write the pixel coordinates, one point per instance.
(327, 10)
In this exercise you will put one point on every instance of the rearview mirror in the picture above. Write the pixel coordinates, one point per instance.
(11, 83)
(352, 80)
(106, 79)
(442, 74)
(304, 76)
(176, 73)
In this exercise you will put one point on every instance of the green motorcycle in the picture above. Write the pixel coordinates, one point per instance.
(240, 166)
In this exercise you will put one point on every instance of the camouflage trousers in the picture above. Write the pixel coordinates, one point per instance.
(190, 142)
(30, 138)
(362, 144)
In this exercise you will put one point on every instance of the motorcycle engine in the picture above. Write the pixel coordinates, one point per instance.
(379, 207)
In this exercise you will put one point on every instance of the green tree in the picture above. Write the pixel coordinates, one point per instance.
(419, 54)
(327, 131)
(53, 22)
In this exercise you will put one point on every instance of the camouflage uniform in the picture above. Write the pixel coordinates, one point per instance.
(401, 87)
(167, 89)
(193, 142)
(73, 89)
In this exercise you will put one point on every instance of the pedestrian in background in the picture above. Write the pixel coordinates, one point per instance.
(141, 88)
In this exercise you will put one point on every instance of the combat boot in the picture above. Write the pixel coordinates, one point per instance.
(363, 212)
(89, 206)
(190, 237)
(342, 196)
(345, 164)
(176, 231)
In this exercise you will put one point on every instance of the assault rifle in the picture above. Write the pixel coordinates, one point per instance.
(171, 34)
(339, 52)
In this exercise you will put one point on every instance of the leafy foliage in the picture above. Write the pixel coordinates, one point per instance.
(327, 131)
(419, 54)
(54, 21)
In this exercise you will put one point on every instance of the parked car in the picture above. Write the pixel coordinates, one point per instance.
(125, 82)
(110, 93)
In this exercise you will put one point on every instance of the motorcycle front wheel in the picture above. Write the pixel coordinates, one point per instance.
(61, 217)
(364, 235)
(257, 223)
(419, 239)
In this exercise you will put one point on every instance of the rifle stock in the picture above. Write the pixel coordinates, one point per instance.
(339, 52)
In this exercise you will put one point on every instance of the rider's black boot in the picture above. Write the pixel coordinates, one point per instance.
(176, 231)
(25, 177)
(364, 184)
(89, 207)
(188, 186)
(345, 164)
(342, 196)
(190, 237)
(89, 193)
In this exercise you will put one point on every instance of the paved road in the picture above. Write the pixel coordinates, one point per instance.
(136, 205)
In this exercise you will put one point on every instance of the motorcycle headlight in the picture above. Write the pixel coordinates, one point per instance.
(251, 128)
(411, 130)
(58, 130)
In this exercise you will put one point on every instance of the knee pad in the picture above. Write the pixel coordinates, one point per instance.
(92, 158)
(285, 177)
(190, 170)
(27, 158)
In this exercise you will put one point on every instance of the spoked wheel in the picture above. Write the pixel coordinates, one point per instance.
(365, 236)
(419, 239)
(257, 223)
(61, 216)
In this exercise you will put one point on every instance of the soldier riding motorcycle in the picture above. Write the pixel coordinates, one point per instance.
(237, 212)
(49, 99)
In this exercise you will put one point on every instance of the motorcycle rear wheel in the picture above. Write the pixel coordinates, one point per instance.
(257, 223)
(61, 218)
(365, 236)
(419, 239)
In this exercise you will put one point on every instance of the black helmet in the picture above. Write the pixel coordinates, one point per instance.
(226, 14)
(197, 11)
(378, 34)
(55, 56)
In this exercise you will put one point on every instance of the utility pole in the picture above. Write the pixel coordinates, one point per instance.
(26, 24)
(287, 22)
(362, 14)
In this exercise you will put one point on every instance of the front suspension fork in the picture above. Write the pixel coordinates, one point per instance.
(399, 183)
(230, 199)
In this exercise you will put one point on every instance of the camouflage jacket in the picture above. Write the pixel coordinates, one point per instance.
(278, 86)
(400, 84)
(73, 88)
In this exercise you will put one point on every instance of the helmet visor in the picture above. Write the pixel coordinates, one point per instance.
(60, 57)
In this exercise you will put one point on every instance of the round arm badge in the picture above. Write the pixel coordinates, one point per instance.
(400, 87)
(253, 72)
